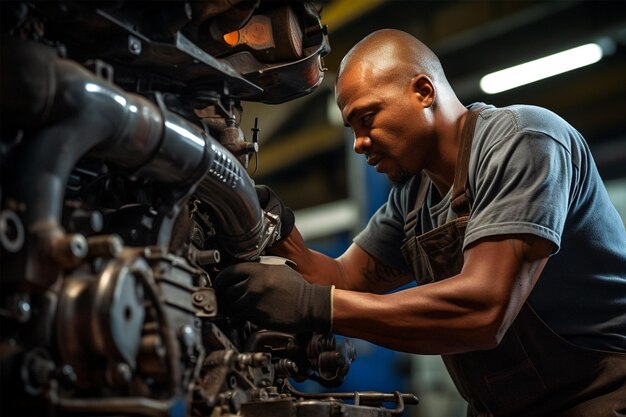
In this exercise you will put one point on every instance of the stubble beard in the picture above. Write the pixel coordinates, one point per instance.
(400, 179)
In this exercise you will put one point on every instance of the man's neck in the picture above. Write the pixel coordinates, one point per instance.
(441, 170)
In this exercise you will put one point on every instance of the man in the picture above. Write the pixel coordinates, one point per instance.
(502, 218)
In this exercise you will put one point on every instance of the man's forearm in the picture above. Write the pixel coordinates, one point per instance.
(466, 312)
(406, 321)
(418, 320)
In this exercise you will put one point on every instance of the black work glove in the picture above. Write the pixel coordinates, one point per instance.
(274, 297)
(270, 202)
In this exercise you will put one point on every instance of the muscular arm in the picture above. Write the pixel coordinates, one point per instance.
(466, 312)
(355, 270)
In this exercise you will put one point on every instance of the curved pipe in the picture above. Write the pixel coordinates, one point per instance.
(229, 191)
(82, 114)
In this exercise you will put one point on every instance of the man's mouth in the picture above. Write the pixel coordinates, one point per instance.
(373, 160)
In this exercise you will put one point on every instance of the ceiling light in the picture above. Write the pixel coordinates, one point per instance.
(541, 68)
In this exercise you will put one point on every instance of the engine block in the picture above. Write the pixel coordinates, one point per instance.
(124, 192)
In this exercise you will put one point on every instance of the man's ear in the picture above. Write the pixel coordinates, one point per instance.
(424, 89)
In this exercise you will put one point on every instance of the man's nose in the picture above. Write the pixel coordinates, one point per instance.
(361, 143)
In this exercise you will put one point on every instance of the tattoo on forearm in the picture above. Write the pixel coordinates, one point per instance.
(521, 246)
(376, 272)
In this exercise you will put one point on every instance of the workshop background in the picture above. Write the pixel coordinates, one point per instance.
(306, 153)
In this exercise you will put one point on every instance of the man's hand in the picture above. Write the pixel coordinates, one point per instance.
(270, 202)
(274, 296)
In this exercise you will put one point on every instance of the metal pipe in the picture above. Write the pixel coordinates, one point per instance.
(229, 191)
(79, 113)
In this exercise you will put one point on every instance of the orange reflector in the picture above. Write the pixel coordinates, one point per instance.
(257, 34)
(232, 38)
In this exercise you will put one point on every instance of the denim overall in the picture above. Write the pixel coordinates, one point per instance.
(533, 372)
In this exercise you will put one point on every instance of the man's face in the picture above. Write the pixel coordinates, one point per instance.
(389, 127)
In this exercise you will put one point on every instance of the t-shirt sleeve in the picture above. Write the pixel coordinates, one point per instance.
(521, 186)
(384, 234)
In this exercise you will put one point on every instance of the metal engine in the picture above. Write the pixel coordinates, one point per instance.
(124, 192)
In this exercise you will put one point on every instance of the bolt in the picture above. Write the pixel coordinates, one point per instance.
(208, 257)
(11, 231)
(123, 373)
(187, 335)
(69, 250)
(22, 309)
(198, 298)
(68, 374)
(23, 306)
(78, 246)
(232, 381)
(134, 45)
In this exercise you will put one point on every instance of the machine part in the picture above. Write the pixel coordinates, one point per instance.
(224, 125)
(19, 307)
(286, 368)
(275, 37)
(361, 398)
(254, 360)
(132, 133)
(37, 370)
(69, 250)
(103, 316)
(124, 193)
(330, 360)
(208, 257)
(105, 246)
(328, 407)
(243, 229)
(314, 356)
(301, 75)
(11, 231)
(233, 18)
(86, 222)
(205, 300)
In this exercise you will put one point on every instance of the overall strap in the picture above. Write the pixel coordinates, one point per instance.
(411, 218)
(459, 200)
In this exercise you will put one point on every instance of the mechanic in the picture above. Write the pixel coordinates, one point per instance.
(501, 217)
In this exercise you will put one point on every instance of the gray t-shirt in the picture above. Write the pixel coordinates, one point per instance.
(531, 172)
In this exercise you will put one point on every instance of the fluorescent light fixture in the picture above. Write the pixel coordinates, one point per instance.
(541, 68)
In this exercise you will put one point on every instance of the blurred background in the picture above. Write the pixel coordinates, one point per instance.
(306, 153)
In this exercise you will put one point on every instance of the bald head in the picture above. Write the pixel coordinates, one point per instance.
(393, 93)
(394, 54)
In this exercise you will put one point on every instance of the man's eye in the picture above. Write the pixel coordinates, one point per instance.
(367, 120)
